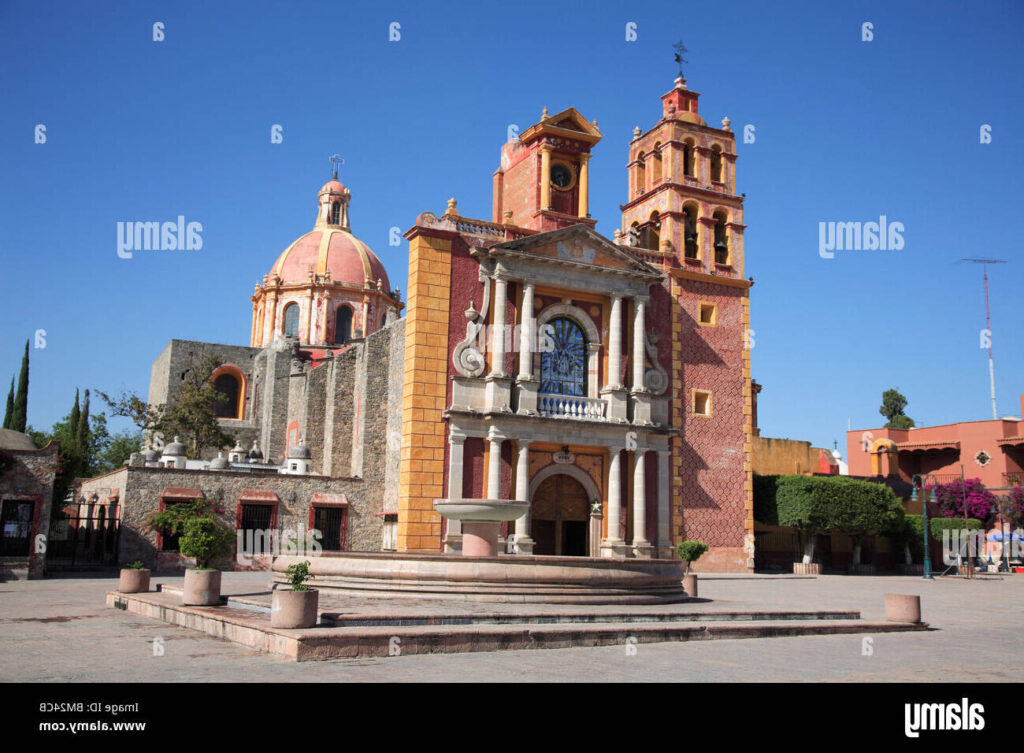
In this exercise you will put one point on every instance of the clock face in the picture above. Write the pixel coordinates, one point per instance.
(561, 175)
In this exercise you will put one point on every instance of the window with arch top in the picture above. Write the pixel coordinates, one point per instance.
(716, 163)
(291, 319)
(563, 362)
(228, 388)
(342, 325)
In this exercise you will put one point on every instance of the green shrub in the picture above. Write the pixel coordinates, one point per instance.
(298, 574)
(938, 525)
(691, 551)
(205, 539)
(136, 565)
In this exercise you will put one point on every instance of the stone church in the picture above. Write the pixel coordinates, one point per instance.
(605, 380)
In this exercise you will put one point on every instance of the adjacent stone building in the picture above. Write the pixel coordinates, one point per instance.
(26, 496)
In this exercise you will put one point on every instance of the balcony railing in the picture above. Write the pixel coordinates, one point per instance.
(566, 406)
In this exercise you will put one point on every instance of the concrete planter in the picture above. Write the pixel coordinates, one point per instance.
(294, 609)
(133, 581)
(690, 585)
(202, 588)
(903, 608)
(813, 568)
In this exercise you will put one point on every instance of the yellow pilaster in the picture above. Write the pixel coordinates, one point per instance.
(423, 394)
(584, 185)
(545, 177)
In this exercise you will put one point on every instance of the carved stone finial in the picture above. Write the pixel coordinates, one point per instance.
(544, 113)
(725, 124)
(508, 216)
(636, 132)
(452, 203)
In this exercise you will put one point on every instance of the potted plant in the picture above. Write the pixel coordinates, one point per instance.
(689, 552)
(205, 539)
(134, 578)
(295, 608)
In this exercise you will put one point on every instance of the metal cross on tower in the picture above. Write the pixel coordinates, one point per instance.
(336, 160)
(681, 50)
(988, 328)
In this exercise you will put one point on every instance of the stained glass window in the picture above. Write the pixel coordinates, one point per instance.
(563, 362)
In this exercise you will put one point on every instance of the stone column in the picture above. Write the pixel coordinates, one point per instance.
(453, 532)
(584, 186)
(664, 504)
(524, 544)
(641, 546)
(526, 333)
(545, 177)
(498, 330)
(639, 335)
(615, 344)
(613, 545)
(494, 468)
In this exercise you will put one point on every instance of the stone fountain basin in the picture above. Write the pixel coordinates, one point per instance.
(481, 510)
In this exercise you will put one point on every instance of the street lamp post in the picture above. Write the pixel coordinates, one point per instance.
(926, 498)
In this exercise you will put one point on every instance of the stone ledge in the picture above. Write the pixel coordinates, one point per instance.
(253, 629)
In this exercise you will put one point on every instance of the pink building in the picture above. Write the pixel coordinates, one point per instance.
(992, 451)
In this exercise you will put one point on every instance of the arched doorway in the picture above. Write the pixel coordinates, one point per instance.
(559, 517)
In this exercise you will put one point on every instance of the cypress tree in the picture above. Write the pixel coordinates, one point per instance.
(82, 438)
(74, 419)
(9, 413)
(19, 417)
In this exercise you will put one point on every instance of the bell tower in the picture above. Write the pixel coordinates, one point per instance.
(543, 181)
(683, 213)
(682, 189)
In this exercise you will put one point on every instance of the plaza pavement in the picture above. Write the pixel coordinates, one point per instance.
(59, 630)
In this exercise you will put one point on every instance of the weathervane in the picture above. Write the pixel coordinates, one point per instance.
(335, 161)
(681, 50)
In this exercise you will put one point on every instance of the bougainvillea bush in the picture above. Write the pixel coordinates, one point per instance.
(981, 503)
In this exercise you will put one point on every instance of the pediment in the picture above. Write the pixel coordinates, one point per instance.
(579, 244)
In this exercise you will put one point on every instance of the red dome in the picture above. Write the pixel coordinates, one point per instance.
(332, 250)
(333, 186)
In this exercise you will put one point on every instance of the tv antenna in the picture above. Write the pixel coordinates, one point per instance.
(988, 328)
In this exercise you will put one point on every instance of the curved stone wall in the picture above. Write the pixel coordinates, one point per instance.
(525, 579)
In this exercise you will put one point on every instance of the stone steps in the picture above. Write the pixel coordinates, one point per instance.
(250, 626)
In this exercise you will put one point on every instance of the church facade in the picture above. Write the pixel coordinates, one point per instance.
(604, 380)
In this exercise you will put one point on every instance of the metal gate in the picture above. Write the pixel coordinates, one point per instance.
(16, 528)
(82, 543)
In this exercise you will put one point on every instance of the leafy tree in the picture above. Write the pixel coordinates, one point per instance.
(192, 416)
(893, 404)
(836, 504)
(9, 412)
(19, 412)
(118, 449)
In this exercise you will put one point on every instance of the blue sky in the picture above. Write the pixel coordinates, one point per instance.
(846, 130)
